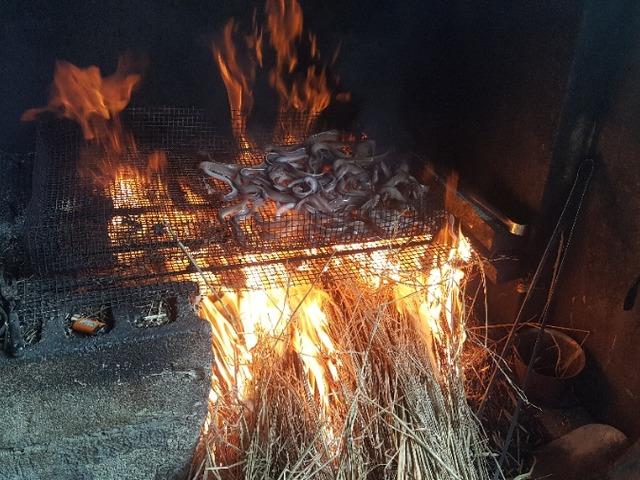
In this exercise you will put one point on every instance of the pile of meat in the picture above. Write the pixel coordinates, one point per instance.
(325, 175)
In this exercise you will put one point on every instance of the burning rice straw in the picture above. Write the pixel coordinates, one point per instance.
(359, 379)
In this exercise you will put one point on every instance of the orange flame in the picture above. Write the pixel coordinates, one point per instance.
(93, 101)
(306, 92)
(254, 40)
(266, 315)
(284, 22)
(302, 86)
(231, 357)
(130, 187)
(297, 320)
(157, 162)
(434, 303)
(312, 342)
(237, 80)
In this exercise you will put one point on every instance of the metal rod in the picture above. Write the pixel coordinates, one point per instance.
(562, 255)
(537, 275)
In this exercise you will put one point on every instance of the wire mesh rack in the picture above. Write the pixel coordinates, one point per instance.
(117, 240)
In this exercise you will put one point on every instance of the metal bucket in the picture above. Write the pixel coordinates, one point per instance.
(559, 360)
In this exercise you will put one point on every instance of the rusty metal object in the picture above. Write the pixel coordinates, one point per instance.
(88, 325)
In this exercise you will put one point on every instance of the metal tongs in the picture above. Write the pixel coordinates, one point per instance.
(13, 343)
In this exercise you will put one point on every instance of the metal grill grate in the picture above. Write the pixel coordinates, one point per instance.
(118, 238)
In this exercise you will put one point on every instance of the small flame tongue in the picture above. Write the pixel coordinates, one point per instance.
(237, 79)
(93, 101)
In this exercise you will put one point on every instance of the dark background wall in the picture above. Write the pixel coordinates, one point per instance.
(510, 66)
(480, 86)
(172, 34)
(390, 52)
(605, 259)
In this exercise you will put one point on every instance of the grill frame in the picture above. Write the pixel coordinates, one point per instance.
(68, 221)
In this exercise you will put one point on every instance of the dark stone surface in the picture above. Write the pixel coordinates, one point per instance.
(126, 405)
(16, 168)
(585, 453)
(627, 467)
(556, 422)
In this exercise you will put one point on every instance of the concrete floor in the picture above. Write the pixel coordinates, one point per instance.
(126, 405)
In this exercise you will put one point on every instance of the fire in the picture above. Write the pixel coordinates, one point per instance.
(131, 187)
(295, 322)
(312, 342)
(91, 100)
(433, 302)
(263, 314)
(284, 21)
(308, 91)
(95, 102)
(302, 87)
(156, 163)
(110, 158)
(231, 356)
(238, 79)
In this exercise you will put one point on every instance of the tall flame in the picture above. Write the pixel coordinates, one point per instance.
(433, 302)
(304, 90)
(312, 342)
(240, 321)
(284, 22)
(238, 80)
(231, 357)
(301, 86)
(95, 103)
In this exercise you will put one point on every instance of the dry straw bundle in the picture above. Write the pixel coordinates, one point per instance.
(371, 393)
